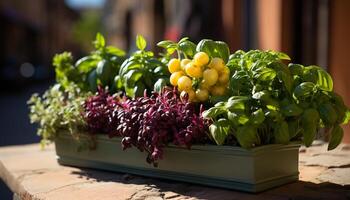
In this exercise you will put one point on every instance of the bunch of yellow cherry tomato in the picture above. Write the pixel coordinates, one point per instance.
(212, 76)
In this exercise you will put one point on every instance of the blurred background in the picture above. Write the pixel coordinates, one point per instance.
(31, 32)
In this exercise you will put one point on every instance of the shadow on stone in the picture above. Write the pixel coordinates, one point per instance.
(173, 189)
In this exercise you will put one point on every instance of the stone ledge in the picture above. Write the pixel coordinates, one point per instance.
(32, 173)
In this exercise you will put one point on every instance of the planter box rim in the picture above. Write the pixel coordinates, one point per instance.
(224, 149)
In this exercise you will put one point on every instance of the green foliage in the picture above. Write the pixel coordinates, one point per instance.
(274, 103)
(58, 109)
(183, 47)
(214, 49)
(65, 71)
(98, 68)
(188, 49)
(267, 101)
(219, 130)
(336, 137)
(141, 71)
(141, 42)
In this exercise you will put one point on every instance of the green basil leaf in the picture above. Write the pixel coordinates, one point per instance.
(262, 95)
(346, 119)
(188, 48)
(258, 65)
(236, 104)
(265, 97)
(213, 112)
(132, 77)
(234, 118)
(159, 85)
(324, 80)
(265, 74)
(293, 128)
(92, 81)
(183, 39)
(282, 56)
(247, 136)
(310, 119)
(86, 64)
(115, 51)
(127, 66)
(342, 111)
(310, 74)
(296, 69)
(118, 82)
(328, 114)
(220, 104)
(257, 117)
(148, 79)
(281, 133)
(216, 99)
(291, 110)
(309, 134)
(166, 44)
(304, 90)
(219, 130)
(222, 50)
(141, 42)
(237, 118)
(139, 89)
(336, 137)
(104, 71)
(99, 41)
(129, 91)
(206, 46)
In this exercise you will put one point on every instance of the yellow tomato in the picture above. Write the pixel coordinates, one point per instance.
(210, 76)
(218, 90)
(193, 70)
(202, 94)
(174, 65)
(201, 59)
(204, 85)
(191, 95)
(184, 62)
(217, 63)
(175, 77)
(224, 78)
(184, 83)
(225, 70)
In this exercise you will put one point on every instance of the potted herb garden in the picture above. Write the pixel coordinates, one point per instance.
(194, 113)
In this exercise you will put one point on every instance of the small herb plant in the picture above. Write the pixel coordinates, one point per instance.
(148, 123)
(98, 68)
(141, 71)
(58, 110)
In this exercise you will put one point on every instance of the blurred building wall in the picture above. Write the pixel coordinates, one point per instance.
(340, 51)
(32, 32)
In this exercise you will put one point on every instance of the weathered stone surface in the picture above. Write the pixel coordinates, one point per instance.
(319, 156)
(34, 174)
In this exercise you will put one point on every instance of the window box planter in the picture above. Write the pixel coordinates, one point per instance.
(229, 167)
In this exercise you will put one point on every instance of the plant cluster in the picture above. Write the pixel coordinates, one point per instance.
(58, 110)
(141, 71)
(271, 102)
(251, 98)
(148, 123)
(98, 68)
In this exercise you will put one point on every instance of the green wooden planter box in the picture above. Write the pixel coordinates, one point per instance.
(252, 170)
